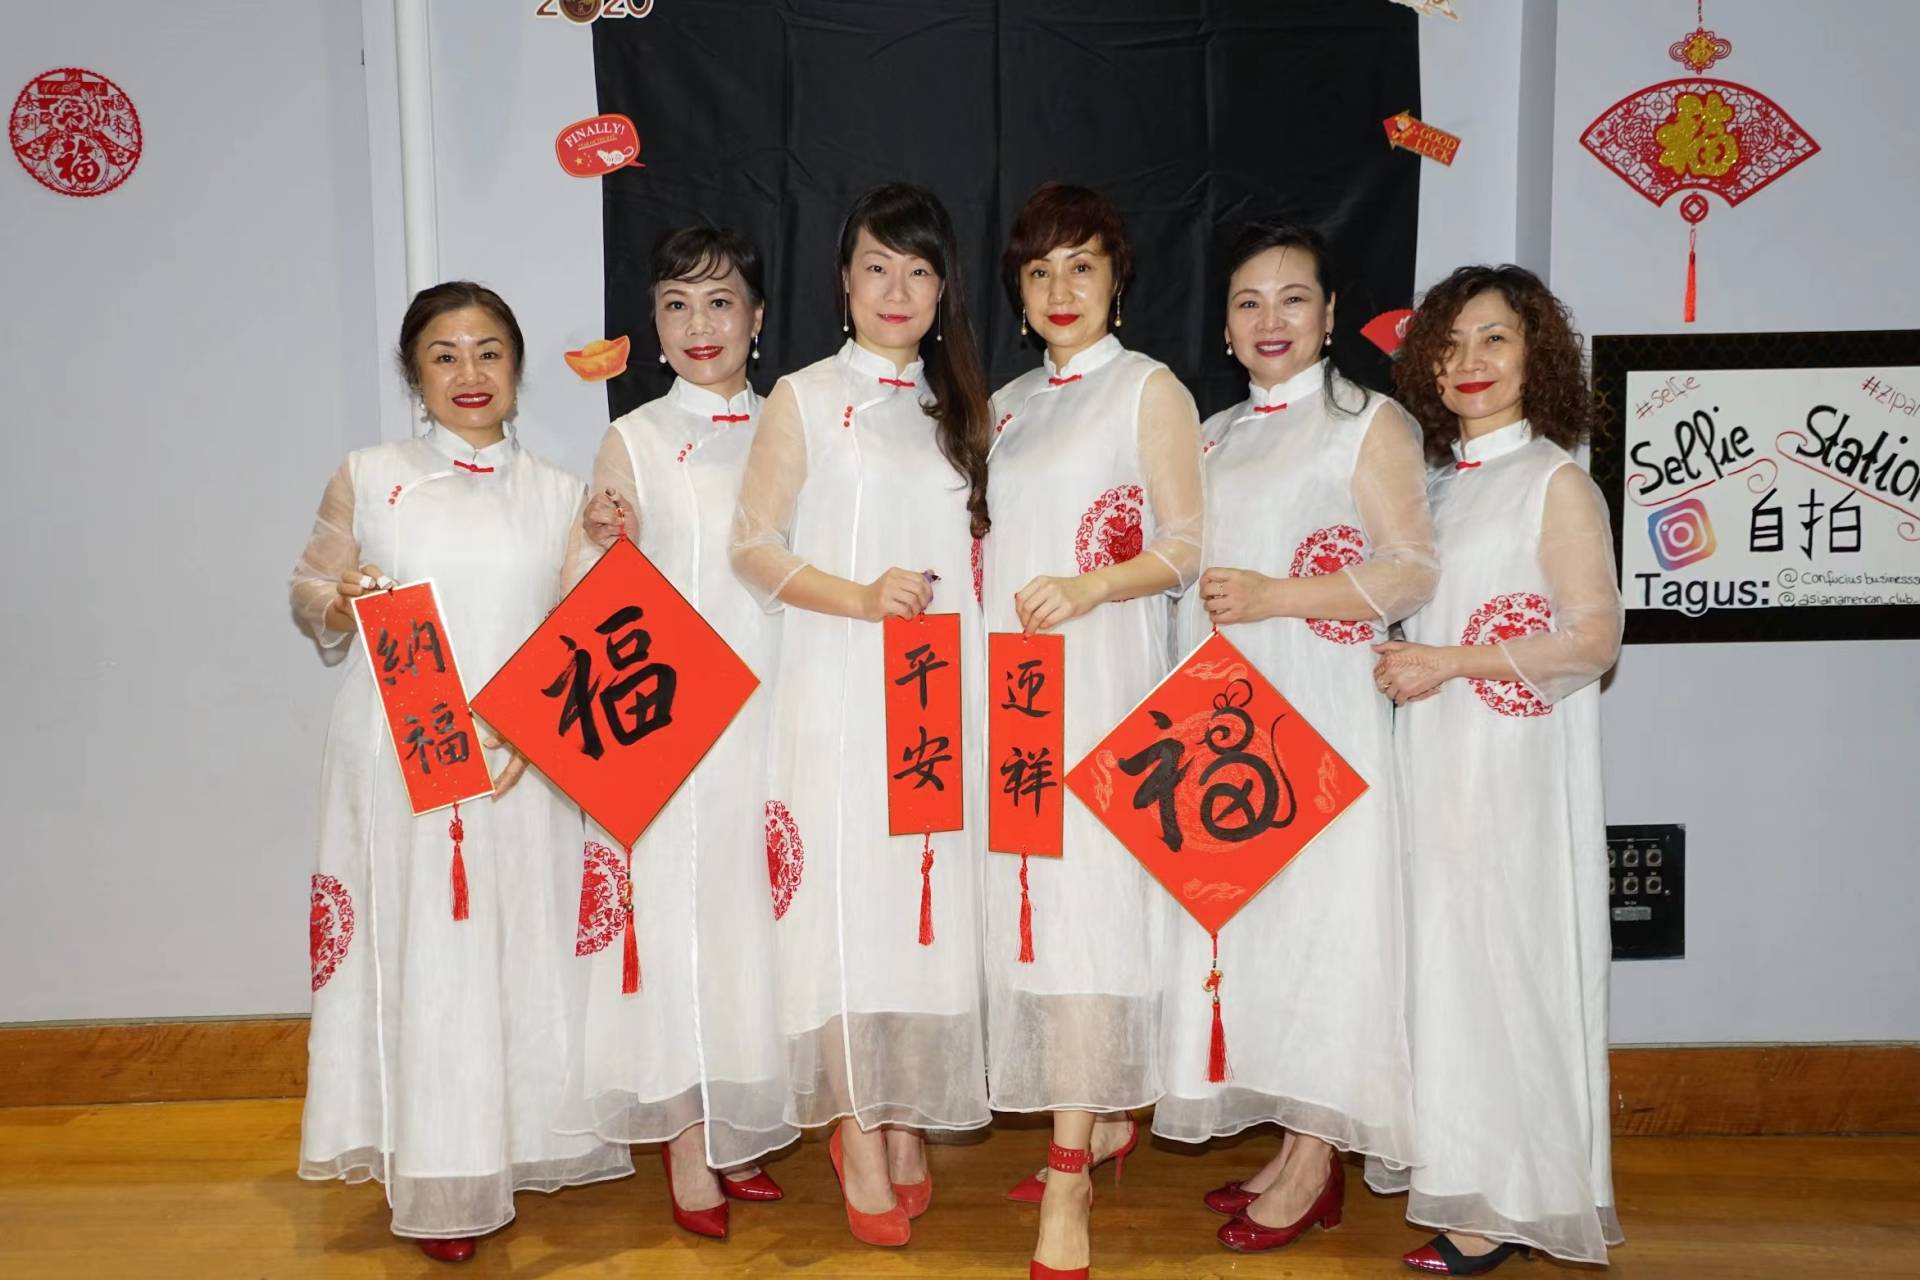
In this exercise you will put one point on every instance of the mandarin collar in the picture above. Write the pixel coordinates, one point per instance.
(494, 458)
(1293, 390)
(702, 403)
(1494, 444)
(862, 365)
(1095, 357)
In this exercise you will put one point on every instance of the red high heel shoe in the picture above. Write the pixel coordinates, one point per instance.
(1442, 1257)
(886, 1229)
(1231, 1199)
(457, 1249)
(1245, 1235)
(760, 1186)
(915, 1197)
(1029, 1190)
(1066, 1160)
(711, 1223)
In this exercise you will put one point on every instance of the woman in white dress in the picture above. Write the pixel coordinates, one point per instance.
(1499, 742)
(437, 1056)
(1096, 490)
(1318, 539)
(862, 495)
(691, 1059)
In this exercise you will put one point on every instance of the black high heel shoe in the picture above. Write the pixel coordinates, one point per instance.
(1440, 1256)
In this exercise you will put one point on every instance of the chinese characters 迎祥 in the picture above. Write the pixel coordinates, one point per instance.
(924, 741)
(619, 693)
(1215, 783)
(434, 740)
(1026, 737)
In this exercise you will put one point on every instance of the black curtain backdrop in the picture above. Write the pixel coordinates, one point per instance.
(1194, 116)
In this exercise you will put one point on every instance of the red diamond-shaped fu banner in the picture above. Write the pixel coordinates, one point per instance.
(1215, 783)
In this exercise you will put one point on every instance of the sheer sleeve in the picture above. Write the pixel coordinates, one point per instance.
(612, 472)
(1169, 443)
(1390, 492)
(331, 553)
(769, 490)
(1576, 556)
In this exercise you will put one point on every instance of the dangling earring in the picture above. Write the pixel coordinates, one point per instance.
(1229, 348)
(1117, 321)
(426, 419)
(845, 313)
(756, 346)
(1023, 322)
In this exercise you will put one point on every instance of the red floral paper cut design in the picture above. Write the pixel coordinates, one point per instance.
(1765, 141)
(1509, 617)
(1111, 531)
(329, 927)
(1330, 550)
(606, 899)
(786, 857)
(75, 131)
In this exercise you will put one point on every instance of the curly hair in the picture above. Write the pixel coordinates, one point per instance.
(1555, 397)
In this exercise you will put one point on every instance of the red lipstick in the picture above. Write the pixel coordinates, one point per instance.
(702, 353)
(473, 399)
(894, 319)
(1063, 319)
(1471, 388)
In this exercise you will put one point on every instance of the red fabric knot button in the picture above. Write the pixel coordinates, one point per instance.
(468, 466)
(1061, 382)
(685, 449)
(1465, 466)
(394, 497)
(894, 382)
(1268, 408)
(733, 417)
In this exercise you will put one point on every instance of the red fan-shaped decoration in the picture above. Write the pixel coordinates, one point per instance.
(1697, 134)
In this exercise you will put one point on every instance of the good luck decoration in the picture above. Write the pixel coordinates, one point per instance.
(1215, 783)
(75, 131)
(925, 742)
(1695, 135)
(617, 696)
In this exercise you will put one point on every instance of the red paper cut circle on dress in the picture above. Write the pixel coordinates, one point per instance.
(605, 898)
(75, 131)
(329, 928)
(979, 571)
(1110, 531)
(1330, 550)
(786, 857)
(1508, 617)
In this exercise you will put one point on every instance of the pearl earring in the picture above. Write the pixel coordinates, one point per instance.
(1229, 348)
(663, 357)
(1117, 321)
(1023, 322)
(756, 346)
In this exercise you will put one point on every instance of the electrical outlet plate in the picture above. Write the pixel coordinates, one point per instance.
(1646, 877)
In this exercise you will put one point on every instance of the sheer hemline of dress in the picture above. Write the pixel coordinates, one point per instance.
(921, 1070)
(1235, 1110)
(1073, 1052)
(438, 1208)
(1578, 1237)
(621, 1116)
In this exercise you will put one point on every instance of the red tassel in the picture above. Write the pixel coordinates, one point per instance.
(1026, 916)
(1693, 285)
(458, 830)
(926, 892)
(1217, 1042)
(629, 949)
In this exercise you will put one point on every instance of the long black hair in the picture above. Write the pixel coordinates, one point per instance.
(910, 219)
(1255, 239)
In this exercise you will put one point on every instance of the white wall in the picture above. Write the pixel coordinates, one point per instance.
(1791, 764)
(185, 361)
(204, 344)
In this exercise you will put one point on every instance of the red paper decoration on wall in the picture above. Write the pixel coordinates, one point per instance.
(75, 131)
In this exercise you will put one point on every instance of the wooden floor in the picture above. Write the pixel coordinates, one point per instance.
(207, 1190)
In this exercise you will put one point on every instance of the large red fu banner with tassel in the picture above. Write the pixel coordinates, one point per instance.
(411, 655)
(1215, 782)
(619, 693)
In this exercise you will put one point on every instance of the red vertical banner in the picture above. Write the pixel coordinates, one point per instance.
(925, 749)
(411, 655)
(1026, 740)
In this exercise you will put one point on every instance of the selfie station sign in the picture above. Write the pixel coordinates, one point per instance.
(1764, 486)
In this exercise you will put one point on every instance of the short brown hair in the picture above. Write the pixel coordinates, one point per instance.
(1058, 215)
(1555, 396)
(437, 300)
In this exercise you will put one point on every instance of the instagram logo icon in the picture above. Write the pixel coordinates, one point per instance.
(1681, 534)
